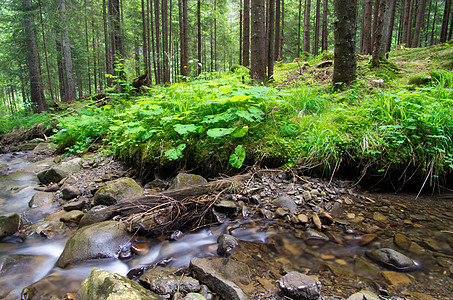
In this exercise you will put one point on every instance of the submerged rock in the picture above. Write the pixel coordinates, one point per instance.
(103, 285)
(57, 173)
(392, 259)
(47, 228)
(183, 180)
(222, 275)
(165, 281)
(101, 240)
(117, 191)
(299, 286)
(52, 287)
(364, 295)
(226, 244)
(9, 224)
(41, 199)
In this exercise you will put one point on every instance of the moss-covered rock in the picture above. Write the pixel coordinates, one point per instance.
(57, 173)
(183, 180)
(9, 224)
(117, 191)
(41, 199)
(103, 285)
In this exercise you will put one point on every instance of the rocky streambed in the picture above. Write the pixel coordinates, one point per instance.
(86, 228)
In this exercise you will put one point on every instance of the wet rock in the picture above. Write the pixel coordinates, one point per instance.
(97, 214)
(53, 187)
(226, 244)
(9, 224)
(69, 192)
(41, 199)
(194, 296)
(364, 295)
(302, 218)
(52, 287)
(437, 245)
(226, 206)
(366, 239)
(55, 216)
(317, 221)
(73, 216)
(402, 241)
(286, 203)
(103, 285)
(299, 286)
(377, 216)
(48, 229)
(396, 278)
(164, 281)
(101, 240)
(267, 213)
(140, 249)
(364, 268)
(183, 180)
(222, 275)
(313, 237)
(75, 205)
(280, 212)
(117, 191)
(392, 259)
(45, 148)
(57, 173)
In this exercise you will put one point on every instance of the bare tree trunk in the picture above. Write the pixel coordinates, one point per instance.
(375, 19)
(282, 34)
(324, 34)
(427, 23)
(271, 38)
(215, 34)
(95, 67)
(307, 27)
(299, 26)
(277, 29)
(70, 80)
(445, 19)
(345, 31)
(241, 28)
(45, 50)
(61, 77)
(157, 37)
(246, 35)
(450, 32)
(418, 23)
(166, 66)
(88, 47)
(199, 42)
(107, 43)
(391, 24)
(145, 41)
(366, 32)
(380, 40)
(258, 41)
(431, 42)
(317, 22)
(184, 30)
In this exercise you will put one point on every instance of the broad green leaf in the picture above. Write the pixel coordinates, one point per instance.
(183, 129)
(175, 153)
(245, 115)
(237, 158)
(219, 132)
(240, 132)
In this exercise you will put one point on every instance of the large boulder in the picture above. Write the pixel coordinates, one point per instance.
(117, 191)
(183, 180)
(9, 224)
(101, 240)
(167, 281)
(57, 173)
(222, 275)
(103, 285)
(41, 199)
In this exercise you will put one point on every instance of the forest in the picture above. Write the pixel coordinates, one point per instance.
(307, 84)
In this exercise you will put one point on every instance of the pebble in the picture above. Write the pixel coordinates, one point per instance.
(300, 286)
(377, 216)
(396, 278)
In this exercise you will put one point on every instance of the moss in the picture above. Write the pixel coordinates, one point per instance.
(419, 79)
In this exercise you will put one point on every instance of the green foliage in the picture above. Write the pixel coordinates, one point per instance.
(419, 79)
(238, 157)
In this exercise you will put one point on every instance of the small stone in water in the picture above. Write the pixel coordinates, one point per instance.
(377, 216)
(226, 244)
(303, 218)
(300, 286)
(317, 221)
(140, 249)
(396, 278)
(366, 239)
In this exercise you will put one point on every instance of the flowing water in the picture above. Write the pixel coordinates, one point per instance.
(269, 248)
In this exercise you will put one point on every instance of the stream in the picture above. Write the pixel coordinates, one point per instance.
(421, 229)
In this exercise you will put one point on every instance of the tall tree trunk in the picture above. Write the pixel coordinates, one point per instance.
(431, 42)
(380, 41)
(317, 22)
(145, 41)
(258, 42)
(45, 50)
(324, 33)
(427, 23)
(344, 33)
(282, 34)
(36, 90)
(277, 29)
(445, 19)
(95, 67)
(61, 77)
(418, 23)
(199, 42)
(166, 67)
(450, 31)
(366, 32)
(157, 36)
(375, 19)
(184, 31)
(107, 43)
(215, 34)
(241, 28)
(271, 38)
(299, 28)
(246, 35)
(87, 47)
(307, 27)
(391, 24)
(70, 80)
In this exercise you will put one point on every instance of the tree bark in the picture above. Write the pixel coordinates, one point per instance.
(282, 34)
(418, 23)
(277, 29)
(299, 27)
(70, 80)
(366, 32)
(157, 36)
(45, 51)
(317, 22)
(145, 41)
(258, 42)
(166, 65)
(199, 41)
(241, 28)
(324, 33)
(271, 38)
(307, 27)
(87, 47)
(375, 19)
(246, 35)
(107, 43)
(184, 31)
(445, 20)
(380, 40)
(431, 42)
(344, 33)
(391, 24)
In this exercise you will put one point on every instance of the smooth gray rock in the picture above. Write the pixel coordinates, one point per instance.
(75, 205)
(194, 296)
(222, 275)
(9, 224)
(226, 244)
(69, 192)
(364, 295)
(392, 259)
(48, 228)
(299, 286)
(41, 199)
(97, 241)
(183, 180)
(285, 202)
(57, 173)
(96, 214)
(163, 281)
(105, 285)
(116, 191)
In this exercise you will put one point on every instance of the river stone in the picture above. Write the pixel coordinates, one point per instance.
(226, 244)
(299, 286)
(57, 173)
(97, 214)
(363, 267)
(377, 216)
(222, 275)
(41, 199)
(362, 295)
(69, 192)
(396, 278)
(163, 281)
(101, 240)
(313, 237)
(392, 259)
(9, 224)
(45, 148)
(402, 241)
(46, 228)
(117, 191)
(183, 180)
(194, 296)
(105, 285)
(73, 216)
(75, 205)
(285, 202)
(52, 287)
